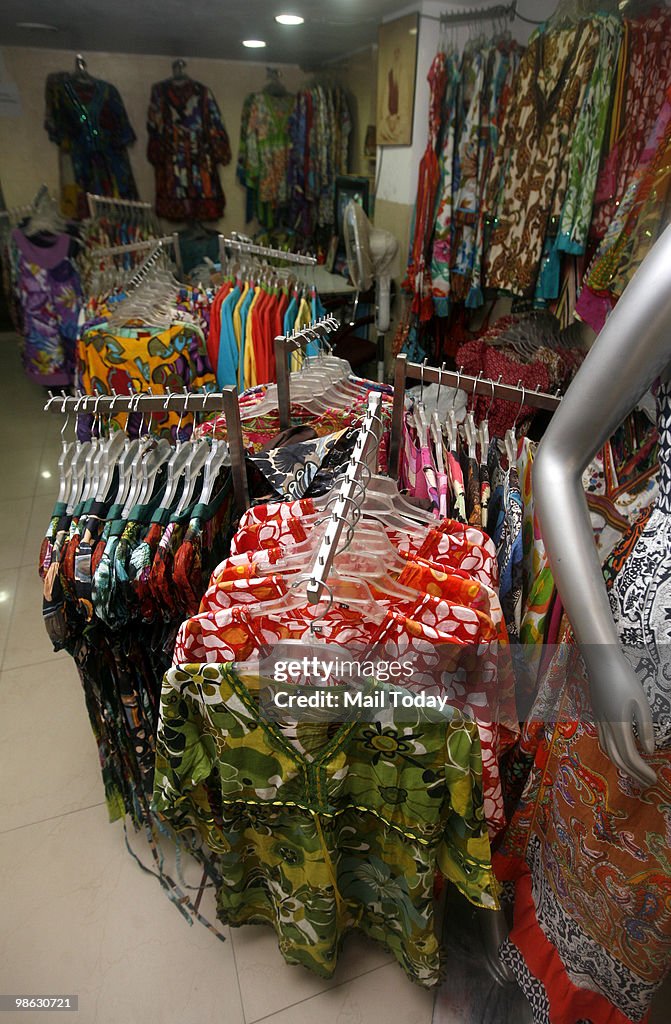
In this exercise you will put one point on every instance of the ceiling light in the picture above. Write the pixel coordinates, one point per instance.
(412, 31)
(37, 26)
(289, 19)
(253, 44)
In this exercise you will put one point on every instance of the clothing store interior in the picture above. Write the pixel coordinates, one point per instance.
(335, 511)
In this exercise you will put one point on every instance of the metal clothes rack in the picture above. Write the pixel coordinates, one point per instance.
(454, 379)
(156, 245)
(245, 246)
(341, 517)
(284, 345)
(498, 11)
(94, 201)
(173, 401)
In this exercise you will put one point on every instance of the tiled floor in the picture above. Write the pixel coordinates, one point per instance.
(78, 915)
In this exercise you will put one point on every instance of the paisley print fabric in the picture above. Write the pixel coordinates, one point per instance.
(587, 848)
(328, 833)
(547, 94)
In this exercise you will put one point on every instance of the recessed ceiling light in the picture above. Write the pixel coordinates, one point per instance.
(412, 31)
(289, 19)
(253, 44)
(37, 26)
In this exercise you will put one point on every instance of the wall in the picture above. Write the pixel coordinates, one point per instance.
(27, 158)
(358, 74)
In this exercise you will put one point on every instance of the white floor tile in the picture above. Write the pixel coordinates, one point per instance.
(79, 916)
(8, 584)
(40, 515)
(19, 468)
(384, 995)
(268, 984)
(47, 750)
(14, 516)
(27, 642)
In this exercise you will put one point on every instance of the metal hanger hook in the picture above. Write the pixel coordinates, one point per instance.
(475, 385)
(458, 387)
(519, 409)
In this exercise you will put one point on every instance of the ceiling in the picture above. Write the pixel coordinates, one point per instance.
(201, 28)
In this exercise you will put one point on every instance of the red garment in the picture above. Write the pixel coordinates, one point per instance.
(214, 333)
(648, 42)
(419, 277)
(478, 357)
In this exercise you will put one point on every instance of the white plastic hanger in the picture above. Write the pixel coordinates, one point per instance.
(510, 442)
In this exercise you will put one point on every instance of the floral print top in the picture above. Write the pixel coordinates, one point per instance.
(343, 827)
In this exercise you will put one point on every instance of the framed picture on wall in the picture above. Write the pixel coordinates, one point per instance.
(396, 71)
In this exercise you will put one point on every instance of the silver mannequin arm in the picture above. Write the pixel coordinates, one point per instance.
(632, 350)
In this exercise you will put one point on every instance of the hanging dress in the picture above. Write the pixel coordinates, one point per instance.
(588, 849)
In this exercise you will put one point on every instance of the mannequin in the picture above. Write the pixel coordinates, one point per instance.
(630, 353)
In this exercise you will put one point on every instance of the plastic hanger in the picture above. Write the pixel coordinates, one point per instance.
(470, 430)
(483, 429)
(510, 441)
(113, 449)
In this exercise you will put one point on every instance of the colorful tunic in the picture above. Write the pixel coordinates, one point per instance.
(139, 359)
(548, 91)
(87, 120)
(328, 832)
(587, 848)
(187, 140)
(50, 296)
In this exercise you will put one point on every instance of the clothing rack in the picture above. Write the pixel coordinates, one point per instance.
(155, 244)
(498, 11)
(284, 345)
(245, 246)
(454, 379)
(173, 401)
(94, 201)
(342, 515)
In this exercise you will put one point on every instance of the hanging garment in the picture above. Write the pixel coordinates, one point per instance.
(636, 224)
(87, 120)
(187, 142)
(324, 846)
(587, 142)
(140, 359)
(588, 850)
(263, 155)
(50, 295)
(418, 280)
(548, 92)
(647, 54)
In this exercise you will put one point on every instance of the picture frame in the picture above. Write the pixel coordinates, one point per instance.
(396, 75)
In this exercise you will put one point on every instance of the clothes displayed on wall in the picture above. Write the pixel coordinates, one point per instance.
(87, 120)
(541, 161)
(292, 147)
(589, 857)
(187, 143)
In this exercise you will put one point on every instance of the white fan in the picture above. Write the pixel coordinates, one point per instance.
(370, 253)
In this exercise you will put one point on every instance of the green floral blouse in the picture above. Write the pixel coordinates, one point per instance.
(337, 827)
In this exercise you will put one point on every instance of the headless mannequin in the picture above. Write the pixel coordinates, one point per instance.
(630, 353)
